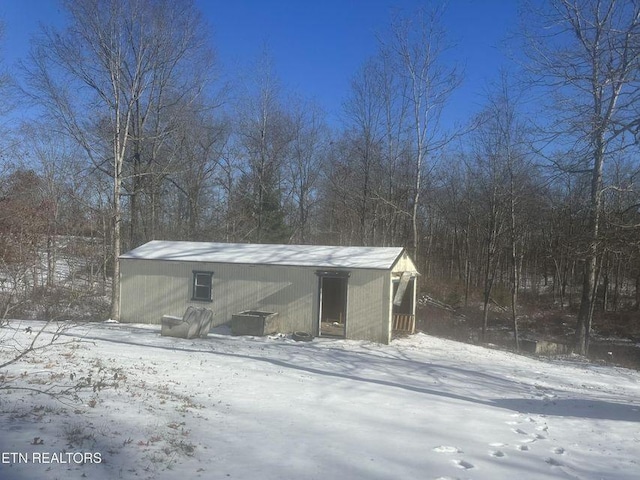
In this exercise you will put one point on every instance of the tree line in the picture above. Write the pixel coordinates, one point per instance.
(136, 137)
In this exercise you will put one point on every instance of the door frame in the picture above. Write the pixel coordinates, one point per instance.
(342, 275)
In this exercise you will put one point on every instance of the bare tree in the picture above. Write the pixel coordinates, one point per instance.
(419, 45)
(492, 216)
(455, 205)
(308, 146)
(264, 139)
(24, 214)
(588, 51)
(510, 145)
(96, 79)
(376, 152)
(198, 147)
(364, 113)
(178, 95)
(395, 194)
(5, 82)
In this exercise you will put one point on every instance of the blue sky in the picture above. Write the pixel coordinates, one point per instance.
(317, 46)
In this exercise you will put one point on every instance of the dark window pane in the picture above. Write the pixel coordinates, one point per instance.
(203, 293)
(202, 282)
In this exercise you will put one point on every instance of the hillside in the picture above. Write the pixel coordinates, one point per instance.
(271, 408)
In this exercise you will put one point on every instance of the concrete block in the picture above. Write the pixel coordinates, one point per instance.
(254, 322)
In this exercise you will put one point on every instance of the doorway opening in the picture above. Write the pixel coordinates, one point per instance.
(404, 320)
(332, 316)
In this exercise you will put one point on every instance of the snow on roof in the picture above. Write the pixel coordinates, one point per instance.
(251, 253)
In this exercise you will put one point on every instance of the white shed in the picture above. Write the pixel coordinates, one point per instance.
(362, 293)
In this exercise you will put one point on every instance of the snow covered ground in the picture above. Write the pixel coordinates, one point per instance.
(250, 408)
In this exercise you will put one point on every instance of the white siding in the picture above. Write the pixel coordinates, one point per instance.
(404, 264)
(150, 289)
(368, 314)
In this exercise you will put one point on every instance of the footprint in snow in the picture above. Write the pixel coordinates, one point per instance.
(559, 451)
(464, 464)
(523, 448)
(519, 431)
(447, 449)
(497, 454)
(553, 463)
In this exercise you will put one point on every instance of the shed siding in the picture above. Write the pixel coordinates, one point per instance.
(150, 289)
(404, 264)
(367, 311)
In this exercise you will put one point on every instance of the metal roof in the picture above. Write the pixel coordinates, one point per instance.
(267, 254)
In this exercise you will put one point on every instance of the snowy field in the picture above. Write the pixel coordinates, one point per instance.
(250, 408)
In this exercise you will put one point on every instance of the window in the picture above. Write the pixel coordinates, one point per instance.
(202, 282)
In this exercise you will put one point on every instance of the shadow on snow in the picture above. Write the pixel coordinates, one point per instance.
(352, 369)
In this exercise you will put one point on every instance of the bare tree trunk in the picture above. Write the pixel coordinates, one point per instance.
(489, 283)
(491, 266)
(585, 314)
(617, 285)
(121, 123)
(514, 263)
(637, 303)
(605, 283)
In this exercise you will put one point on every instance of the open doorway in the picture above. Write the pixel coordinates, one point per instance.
(403, 301)
(332, 317)
(404, 320)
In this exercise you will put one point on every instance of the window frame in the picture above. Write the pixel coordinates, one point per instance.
(195, 286)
